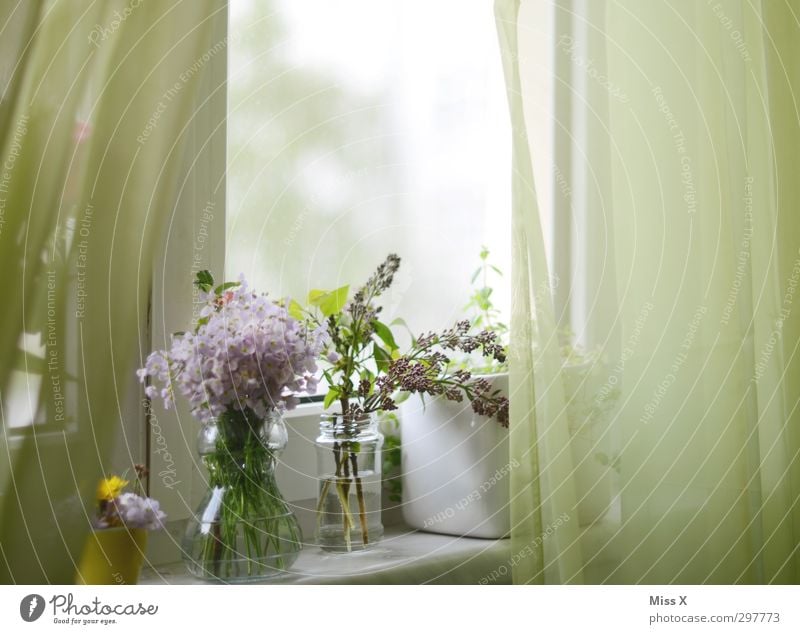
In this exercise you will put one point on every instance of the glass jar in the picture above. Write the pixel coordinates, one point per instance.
(349, 493)
(243, 528)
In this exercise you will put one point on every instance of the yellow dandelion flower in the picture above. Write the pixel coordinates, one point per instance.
(110, 488)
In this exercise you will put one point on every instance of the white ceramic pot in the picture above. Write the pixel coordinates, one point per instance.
(456, 468)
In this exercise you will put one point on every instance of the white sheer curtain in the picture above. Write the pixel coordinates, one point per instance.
(95, 102)
(666, 451)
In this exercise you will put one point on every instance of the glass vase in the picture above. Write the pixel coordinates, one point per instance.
(349, 493)
(243, 528)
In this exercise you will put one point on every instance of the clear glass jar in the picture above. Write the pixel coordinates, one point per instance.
(243, 528)
(349, 472)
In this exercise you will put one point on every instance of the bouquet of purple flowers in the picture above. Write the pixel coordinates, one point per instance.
(239, 369)
(246, 353)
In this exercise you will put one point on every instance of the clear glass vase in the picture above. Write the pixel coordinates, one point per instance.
(243, 528)
(349, 494)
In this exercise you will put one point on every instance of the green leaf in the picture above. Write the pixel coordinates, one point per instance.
(382, 358)
(390, 442)
(482, 298)
(204, 280)
(484, 253)
(296, 310)
(390, 420)
(224, 287)
(329, 302)
(384, 332)
(496, 270)
(399, 321)
(335, 301)
(314, 296)
(475, 275)
(330, 397)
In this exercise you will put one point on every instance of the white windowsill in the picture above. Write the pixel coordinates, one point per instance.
(305, 409)
(404, 556)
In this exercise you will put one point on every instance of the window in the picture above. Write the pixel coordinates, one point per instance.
(354, 129)
(359, 128)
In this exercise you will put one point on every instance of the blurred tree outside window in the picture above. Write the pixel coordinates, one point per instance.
(361, 127)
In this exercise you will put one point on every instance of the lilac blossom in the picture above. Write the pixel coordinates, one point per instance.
(246, 352)
(133, 511)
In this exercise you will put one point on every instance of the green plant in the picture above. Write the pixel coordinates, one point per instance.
(480, 309)
(367, 373)
(484, 315)
(239, 367)
(392, 457)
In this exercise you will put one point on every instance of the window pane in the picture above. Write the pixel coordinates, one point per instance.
(361, 127)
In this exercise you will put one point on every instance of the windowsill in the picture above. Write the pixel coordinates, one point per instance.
(404, 556)
(305, 409)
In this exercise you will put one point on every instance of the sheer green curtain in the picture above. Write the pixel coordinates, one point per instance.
(666, 450)
(95, 100)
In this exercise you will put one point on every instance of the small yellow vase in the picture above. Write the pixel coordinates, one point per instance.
(112, 556)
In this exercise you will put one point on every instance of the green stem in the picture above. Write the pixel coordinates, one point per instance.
(323, 494)
(362, 507)
(252, 516)
(341, 492)
(346, 518)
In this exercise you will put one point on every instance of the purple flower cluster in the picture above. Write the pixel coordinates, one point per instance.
(458, 338)
(428, 375)
(133, 511)
(247, 352)
(360, 308)
(426, 371)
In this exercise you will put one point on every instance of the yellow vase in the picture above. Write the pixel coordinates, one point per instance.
(112, 556)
